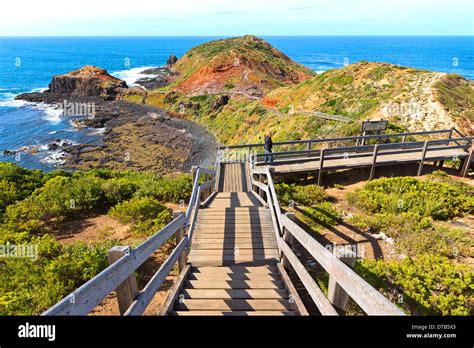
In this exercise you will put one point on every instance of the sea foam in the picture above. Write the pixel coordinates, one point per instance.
(131, 76)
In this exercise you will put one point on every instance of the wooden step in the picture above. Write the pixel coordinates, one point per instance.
(243, 276)
(235, 270)
(233, 305)
(234, 294)
(230, 260)
(233, 284)
(232, 222)
(236, 213)
(252, 209)
(235, 252)
(232, 226)
(233, 237)
(233, 245)
(232, 314)
(204, 237)
(236, 229)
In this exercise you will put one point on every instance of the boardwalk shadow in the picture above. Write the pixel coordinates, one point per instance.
(336, 230)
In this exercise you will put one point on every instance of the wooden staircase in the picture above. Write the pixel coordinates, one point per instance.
(234, 267)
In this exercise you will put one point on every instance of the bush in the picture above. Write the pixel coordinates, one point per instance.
(118, 190)
(438, 200)
(323, 214)
(431, 285)
(30, 287)
(144, 213)
(302, 194)
(172, 189)
(440, 241)
(31, 203)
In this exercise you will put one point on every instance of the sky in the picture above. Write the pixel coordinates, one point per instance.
(235, 17)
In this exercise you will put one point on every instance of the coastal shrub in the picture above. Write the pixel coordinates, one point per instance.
(117, 190)
(34, 203)
(441, 241)
(393, 225)
(440, 201)
(415, 235)
(143, 213)
(429, 284)
(29, 287)
(320, 215)
(8, 195)
(25, 181)
(172, 189)
(302, 194)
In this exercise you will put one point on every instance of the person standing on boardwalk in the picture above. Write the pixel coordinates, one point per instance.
(268, 145)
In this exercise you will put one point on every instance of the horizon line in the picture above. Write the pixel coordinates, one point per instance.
(258, 35)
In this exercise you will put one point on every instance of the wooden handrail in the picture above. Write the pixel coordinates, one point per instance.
(83, 300)
(354, 138)
(367, 297)
(364, 294)
(368, 148)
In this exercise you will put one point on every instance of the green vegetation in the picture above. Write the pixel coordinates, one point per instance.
(145, 213)
(310, 204)
(302, 194)
(430, 279)
(455, 93)
(33, 204)
(438, 200)
(427, 285)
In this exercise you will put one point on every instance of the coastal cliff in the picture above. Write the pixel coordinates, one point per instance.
(87, 81)
(265, 90)
(247, 66)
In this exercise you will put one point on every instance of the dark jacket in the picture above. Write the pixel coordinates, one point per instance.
(268, 143)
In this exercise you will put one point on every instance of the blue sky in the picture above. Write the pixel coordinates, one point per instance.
(231, 17)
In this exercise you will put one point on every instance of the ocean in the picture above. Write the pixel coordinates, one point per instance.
(27, 64)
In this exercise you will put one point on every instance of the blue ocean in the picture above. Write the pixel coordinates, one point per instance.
(27, 64)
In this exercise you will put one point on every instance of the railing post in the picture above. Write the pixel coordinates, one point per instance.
(451, 133)
(308, 147)
(467, 161)
(179, 238)
(321, 165)
(374, 161)
(422, 162)
(288, 238)
(336, 294)
(126, 292)
(194, 170)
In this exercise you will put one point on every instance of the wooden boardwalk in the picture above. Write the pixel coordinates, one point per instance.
(234, 256)
(234, 242)
(355, 160)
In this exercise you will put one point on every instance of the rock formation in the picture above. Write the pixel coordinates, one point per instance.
(87, 81)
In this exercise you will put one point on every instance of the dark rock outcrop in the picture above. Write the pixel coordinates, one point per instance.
(87, 81)
(172, 60)
(221, 101)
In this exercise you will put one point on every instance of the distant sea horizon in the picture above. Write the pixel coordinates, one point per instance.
(28, 64)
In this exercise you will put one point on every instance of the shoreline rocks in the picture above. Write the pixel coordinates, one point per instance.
(135, 137)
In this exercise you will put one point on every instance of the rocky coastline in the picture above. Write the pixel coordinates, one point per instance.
(135, 137)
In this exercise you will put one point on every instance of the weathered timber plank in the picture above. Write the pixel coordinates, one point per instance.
(234, 305)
